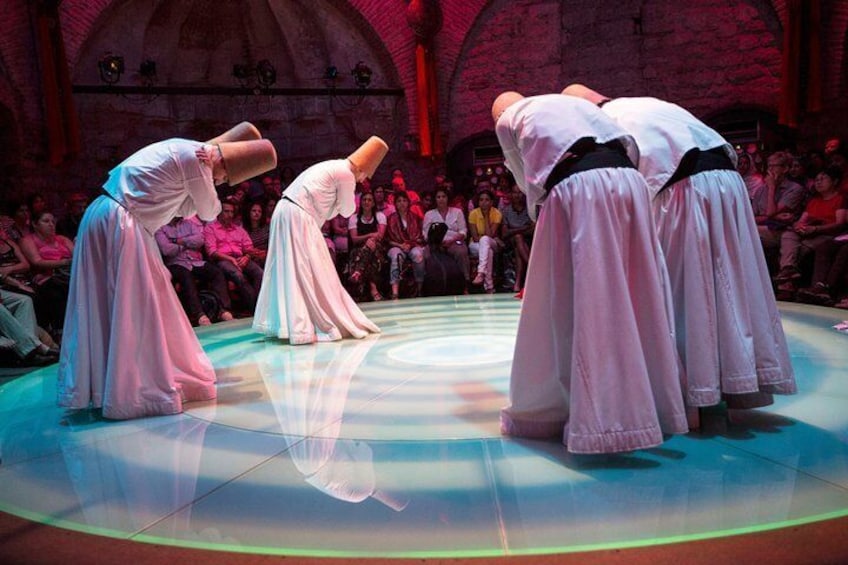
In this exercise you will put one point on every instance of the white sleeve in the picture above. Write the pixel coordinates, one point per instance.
(201, 188)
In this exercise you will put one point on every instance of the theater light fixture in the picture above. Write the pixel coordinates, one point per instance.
(266, 74)
(111, 68)
(361, 75)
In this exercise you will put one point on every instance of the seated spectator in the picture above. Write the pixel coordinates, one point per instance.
(237, 196)
(454, 240)
(255, 223)
(779, 205)
(399, 184)
(17, 323)
(367, 255)
(427, 202)
(831, 147)
(21, 224)
(484, 224)
(14, 267)
(830, 271)
(181, 244)
(287, 175)
(75, 207)
(338, 233)
(270, 204)
(327, 232)
(443, 275)
(405, 243)
(518, 231)
(49, 256)
(798, 174)
(37, 204)
(381, 204)
(229, 246)
(824, 217)
(753, 179)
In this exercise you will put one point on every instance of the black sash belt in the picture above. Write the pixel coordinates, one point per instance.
(112, 198)
(696, 161)
(589, 155)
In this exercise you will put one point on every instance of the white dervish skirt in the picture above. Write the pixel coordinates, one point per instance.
(728, 329)
(302, 298)
(127, 345)
(595, 361)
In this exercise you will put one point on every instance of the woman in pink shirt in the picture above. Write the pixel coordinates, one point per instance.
(49, 256)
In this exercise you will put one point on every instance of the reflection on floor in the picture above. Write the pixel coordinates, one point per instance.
(312, 450)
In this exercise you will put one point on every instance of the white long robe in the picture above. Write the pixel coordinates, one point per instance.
(302, 298)
(127, 345)
(594, 357)
(728, 329)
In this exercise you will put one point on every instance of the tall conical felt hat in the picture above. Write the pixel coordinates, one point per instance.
(369, 155)
(244, 131)
(504, 101)
(247, 159)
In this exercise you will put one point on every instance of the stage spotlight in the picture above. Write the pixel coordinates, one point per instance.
(332, 73)
(266, 74)
(361, 75)
(111, 68)
(241, 72)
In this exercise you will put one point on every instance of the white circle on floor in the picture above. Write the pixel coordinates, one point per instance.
(456, 351)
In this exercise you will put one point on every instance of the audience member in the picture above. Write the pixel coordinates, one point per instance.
(270, 204)
(404, 235)
(75, 206)
(21, 224)
(518, 231)
(824, 217)
(37, 204)
(14, 267)
(17, 322)
(779, 204)
(798, 174)
(443, 275)
(753, 179)
(181, 243)
(454, 240)
(830, 270)
(230, 247)
(381, 203)
(255, 222)
(49, 256)
(340, 233)
(484, 224)
(367, 254)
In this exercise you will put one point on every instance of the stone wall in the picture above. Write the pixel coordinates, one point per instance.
(710, 56)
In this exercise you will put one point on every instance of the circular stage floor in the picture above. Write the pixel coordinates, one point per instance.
(389, 447)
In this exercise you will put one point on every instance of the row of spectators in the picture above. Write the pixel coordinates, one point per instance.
(800, 203)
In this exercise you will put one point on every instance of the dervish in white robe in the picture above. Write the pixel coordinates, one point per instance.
(595, 361)
(728, 328)
(302, 298)
(127, 345)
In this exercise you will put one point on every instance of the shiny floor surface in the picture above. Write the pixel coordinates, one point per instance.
(390, 447)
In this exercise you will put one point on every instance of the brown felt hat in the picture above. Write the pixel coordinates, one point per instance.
(247, 159)
(244, 131)
(369, 155)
